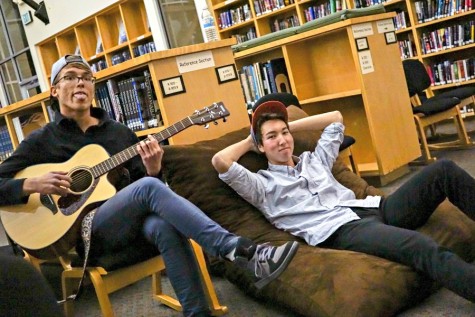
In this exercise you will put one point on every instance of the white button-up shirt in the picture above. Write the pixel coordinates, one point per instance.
(307, 200)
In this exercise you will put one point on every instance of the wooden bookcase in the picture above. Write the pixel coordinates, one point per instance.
(325, 73)
(105, 39)
(260, 24)
(246, 18)
(202, 86)
(414, 30)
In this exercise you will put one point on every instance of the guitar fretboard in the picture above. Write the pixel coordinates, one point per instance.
(125, 155)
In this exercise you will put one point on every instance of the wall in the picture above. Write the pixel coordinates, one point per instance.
(64, 13)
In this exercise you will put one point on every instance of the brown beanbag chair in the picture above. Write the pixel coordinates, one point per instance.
(318, 282)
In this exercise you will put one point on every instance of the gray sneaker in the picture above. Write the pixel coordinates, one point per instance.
(266, 262)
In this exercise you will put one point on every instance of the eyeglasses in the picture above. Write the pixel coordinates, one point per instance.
(73, 78)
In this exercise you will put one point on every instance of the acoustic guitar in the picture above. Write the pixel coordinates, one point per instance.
(49, 225)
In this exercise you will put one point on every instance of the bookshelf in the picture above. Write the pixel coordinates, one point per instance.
(444, 40)
(245, 20)
(201, 84)
(108, 38)
(325, 72)
(248, 19)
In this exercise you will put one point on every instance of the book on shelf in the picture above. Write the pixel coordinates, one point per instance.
(262, 78)
(18, 130)
(122, 33)
(113, 91)
(6, 146)
(280, 75)
(131, 101)
(99, 47)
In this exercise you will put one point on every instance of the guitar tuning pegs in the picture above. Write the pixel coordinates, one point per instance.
(225, 119)
(206, 126)
(215, 122)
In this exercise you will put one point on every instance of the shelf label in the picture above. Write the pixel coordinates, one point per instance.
(362, 30)
(195, 61)
(172, 86)
(226, 73)
(385, 25)
(366, 62)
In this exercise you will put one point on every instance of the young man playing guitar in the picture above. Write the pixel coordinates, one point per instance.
(146, 207)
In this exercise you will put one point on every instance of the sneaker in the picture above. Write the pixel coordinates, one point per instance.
(267, 262)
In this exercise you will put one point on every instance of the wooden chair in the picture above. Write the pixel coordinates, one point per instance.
(429, 109)
(106, 282)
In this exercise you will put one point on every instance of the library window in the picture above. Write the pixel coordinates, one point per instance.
(181, 22)
(17, 73)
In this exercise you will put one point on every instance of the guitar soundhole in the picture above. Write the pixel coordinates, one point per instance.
(82, 180)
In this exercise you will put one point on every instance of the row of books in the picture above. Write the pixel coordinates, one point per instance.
(121, 57)
(130, 100)
(249, 34)
(143, 49)
(6, 146)
(100, 64)
(407, 49)
(401, 20)
(448, 72)
(234, 16)
(428, 10)
(267, 6)
(259, 79)
(368, 3)
(321, 10)
(278, 24)
(448, 37)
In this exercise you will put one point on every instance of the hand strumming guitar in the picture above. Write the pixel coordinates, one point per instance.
(57, 183)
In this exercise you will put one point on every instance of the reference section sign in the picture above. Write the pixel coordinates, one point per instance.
(195, 61)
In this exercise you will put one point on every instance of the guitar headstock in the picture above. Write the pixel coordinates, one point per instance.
(209, 114)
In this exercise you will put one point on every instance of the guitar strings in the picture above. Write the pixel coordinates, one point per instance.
(86, 176)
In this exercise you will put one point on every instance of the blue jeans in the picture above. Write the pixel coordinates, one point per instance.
(389, 232)
(149, 208)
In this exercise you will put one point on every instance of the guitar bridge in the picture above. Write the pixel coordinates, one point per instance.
(48, 202)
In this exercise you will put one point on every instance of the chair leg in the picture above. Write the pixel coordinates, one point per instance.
(68, 286)
(215, 307)
(160, 296)
(426, 156)
(462, 132)
(101, 293)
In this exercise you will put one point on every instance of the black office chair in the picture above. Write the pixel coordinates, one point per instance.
(289, 99)
(429, 109)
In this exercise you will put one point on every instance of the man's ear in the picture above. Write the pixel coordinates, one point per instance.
(260, 148)
(53, 91)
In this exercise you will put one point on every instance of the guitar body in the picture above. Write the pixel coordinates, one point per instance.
(48, 225)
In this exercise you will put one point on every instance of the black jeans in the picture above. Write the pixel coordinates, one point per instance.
(389, 232)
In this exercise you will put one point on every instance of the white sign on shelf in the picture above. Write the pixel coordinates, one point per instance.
(385, 25)
(362, 30)
(366, 62)
(195, 61)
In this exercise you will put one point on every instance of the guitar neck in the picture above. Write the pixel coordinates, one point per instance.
(125, 155)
